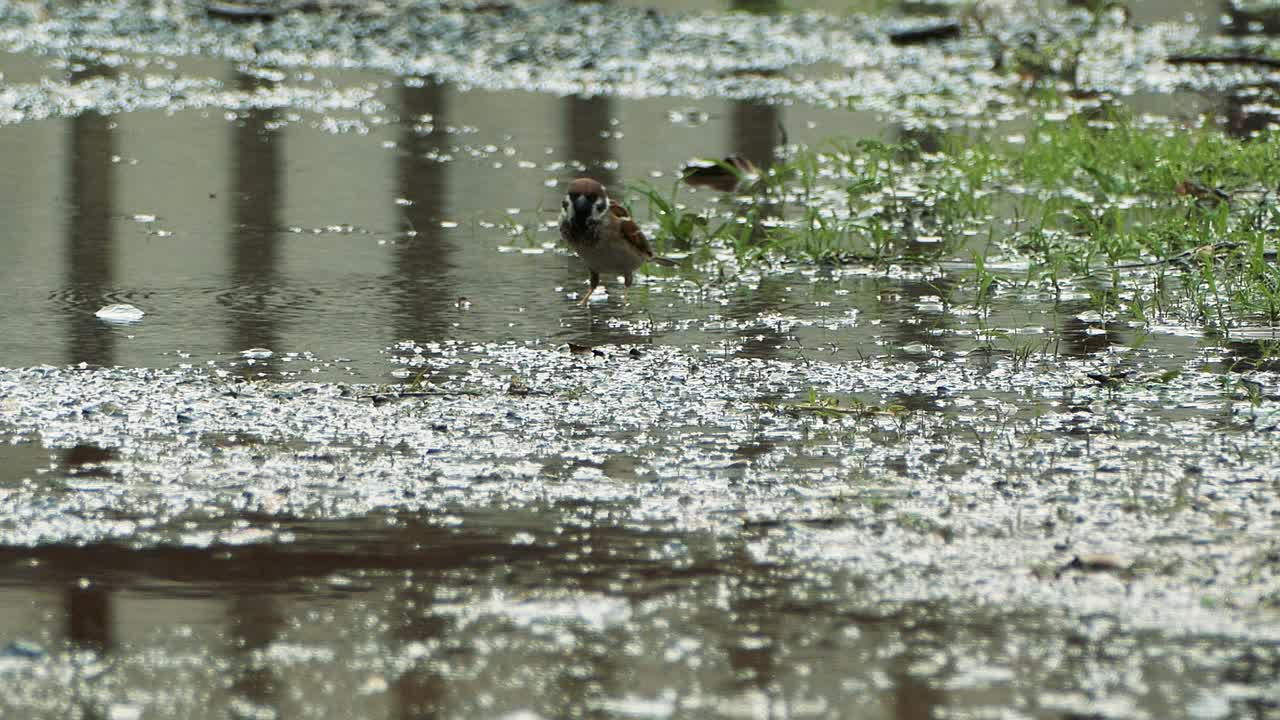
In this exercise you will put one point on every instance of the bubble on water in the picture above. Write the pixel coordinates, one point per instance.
(374, 684)
(521, 715)
(122, 711)
(1209, 706)
(120, 313)
(639, 706)
(22, 649)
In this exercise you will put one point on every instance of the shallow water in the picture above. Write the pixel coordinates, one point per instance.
(228, 508)
(231, 229)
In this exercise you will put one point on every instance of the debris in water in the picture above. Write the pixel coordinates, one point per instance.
(518, 387)
(120, 313)
(1098, 562)
(245, 9)
(931, 33)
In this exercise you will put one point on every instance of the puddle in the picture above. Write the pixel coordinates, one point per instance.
(495, 616)
(249, 241)
(228, 229)
(361, 453)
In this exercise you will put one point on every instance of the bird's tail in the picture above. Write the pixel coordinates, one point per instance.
(666, 262)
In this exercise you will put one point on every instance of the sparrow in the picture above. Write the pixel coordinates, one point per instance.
(603, 234)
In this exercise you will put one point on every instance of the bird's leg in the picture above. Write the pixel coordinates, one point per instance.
(626, 285)
(595, 281)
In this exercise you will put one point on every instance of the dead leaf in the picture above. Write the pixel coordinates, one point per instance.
(1099, 562)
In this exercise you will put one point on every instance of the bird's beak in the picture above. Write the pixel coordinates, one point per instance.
(581, 210)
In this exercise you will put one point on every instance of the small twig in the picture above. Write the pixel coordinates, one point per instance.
(416, 394)
(1223, 60)
(1224, 245)
(930, 33)
(428, 393)
(820, 409)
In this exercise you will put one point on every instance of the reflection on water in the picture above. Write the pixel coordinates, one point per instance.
(1248, 111)
(343, 242)
(588, 136)
(88, 616)
(423, 253)
(254, 240)
(90, 240)
(498, 613)
(266, 255)
(255, 623)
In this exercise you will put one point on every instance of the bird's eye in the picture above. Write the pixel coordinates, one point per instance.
(600, 206)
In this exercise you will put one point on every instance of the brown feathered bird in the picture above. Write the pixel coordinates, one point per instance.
(603, 234)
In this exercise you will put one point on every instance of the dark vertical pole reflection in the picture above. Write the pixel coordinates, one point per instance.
(754, 135)
(1248, 111)
(755, 124)
(90, 253)
(89, 617)
(756, 130)
(755, 127)
(755, 605)
(421, 693)
(1079, 338)
(914, 214)
(255, 624)
(915, 326)
(587, 122)
(916, 697)
(422, 263)
(89, 627)
(90, 236)
(256, 195)
(589, 136)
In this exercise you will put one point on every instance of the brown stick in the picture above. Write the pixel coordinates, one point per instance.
(1223, 60)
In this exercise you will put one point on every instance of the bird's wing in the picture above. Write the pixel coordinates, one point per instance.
(629, 230)
(616, 209)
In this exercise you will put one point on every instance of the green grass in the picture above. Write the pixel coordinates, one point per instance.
(1176, 223)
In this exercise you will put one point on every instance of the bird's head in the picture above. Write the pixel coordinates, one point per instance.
(585, 203)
